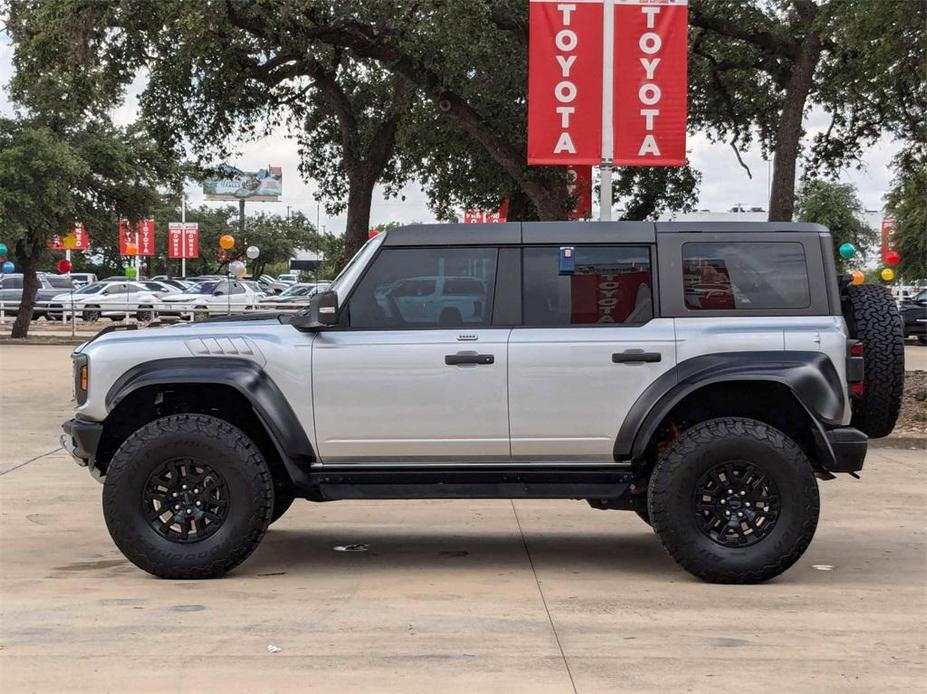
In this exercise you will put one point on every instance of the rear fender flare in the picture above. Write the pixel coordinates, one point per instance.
(810, 376)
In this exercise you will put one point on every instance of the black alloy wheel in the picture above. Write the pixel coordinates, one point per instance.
(185, 500)
(735, 504)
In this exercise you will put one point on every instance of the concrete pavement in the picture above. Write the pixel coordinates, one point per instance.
(476, 596)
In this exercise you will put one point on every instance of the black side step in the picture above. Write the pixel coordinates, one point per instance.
(476, 483)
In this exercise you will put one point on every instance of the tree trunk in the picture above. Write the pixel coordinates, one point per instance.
(360, 193)
(788, 134)
(27, 257)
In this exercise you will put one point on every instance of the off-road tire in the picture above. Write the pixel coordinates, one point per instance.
(223, 447)
(873, 318)
(282, 503)
(699, 449)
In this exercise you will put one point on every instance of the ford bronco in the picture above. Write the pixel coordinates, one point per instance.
(704, 376)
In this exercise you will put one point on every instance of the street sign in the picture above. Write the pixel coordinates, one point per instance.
(607, 82)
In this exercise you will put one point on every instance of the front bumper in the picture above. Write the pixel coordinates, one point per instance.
(846, 449)
(81, 438)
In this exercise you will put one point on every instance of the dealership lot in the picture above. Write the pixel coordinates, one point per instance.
(452, 595)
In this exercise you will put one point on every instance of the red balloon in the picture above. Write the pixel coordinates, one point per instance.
(64, 266)
(893, 257)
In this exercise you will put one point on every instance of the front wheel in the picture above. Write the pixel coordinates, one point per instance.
(144, 314)
(187, 496)
(91, 315)
(734, 501)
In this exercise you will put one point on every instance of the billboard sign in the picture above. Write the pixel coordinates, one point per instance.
(607, 82)
(263, 185)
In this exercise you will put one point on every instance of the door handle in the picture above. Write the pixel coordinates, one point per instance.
(630, 357)
(464, 358)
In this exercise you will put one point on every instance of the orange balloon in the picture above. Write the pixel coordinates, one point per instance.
(227, 242)
(858, 277)
(131, 249)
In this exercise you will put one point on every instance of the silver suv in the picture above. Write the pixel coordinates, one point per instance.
(701, 375)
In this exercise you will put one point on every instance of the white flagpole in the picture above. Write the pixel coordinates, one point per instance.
(183, 234)
(608, 148)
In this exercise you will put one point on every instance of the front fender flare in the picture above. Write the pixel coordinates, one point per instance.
(245, 376)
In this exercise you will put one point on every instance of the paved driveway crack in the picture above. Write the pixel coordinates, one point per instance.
(537, 582)
(31, 460)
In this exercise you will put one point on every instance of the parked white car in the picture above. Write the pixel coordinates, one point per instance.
(115, 300)
(211, 298)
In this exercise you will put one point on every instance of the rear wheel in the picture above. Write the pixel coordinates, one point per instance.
(872, 317)
(187, 496)
(734, 501)
(144, 314)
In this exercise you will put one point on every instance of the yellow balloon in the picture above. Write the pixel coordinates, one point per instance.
(227, 242)
(887, 274)
(858, 277)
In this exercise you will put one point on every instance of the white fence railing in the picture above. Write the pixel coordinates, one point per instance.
(73, 312)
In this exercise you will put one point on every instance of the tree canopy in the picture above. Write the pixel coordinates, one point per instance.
(837, 206)
(52, 176)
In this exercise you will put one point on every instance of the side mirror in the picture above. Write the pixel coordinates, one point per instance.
(323, 312)
(324, 308)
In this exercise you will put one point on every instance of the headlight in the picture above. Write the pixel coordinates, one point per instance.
(81, 377)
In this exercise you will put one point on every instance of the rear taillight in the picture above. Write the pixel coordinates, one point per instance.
(857, 349)
(858, 389)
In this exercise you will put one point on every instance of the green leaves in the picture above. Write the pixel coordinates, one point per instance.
(836, 206)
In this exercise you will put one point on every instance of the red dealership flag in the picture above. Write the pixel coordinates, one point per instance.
(76, 240)
(607, 81)
(650, 104)
(127, 238)
(565, 82)
(183, 240)
(191, 235)
(580, 187)
(175, 240)
(146, 237)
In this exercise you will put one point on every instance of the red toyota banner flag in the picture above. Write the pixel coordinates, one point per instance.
(650, 104)
(146, 237)
(580, 187)
(565, 82)
(127, 239)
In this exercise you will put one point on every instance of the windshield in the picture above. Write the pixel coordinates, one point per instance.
(91, 288)
(59, 282)
(202, 288)
(296, 290)
(364, 253)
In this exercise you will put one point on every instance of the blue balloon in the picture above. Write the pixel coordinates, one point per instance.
(7, 267)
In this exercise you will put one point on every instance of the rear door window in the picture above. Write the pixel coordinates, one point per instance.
(609, 285)
(745, 275)
(408, 288)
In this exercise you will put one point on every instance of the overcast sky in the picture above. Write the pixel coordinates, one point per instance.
(724, 182)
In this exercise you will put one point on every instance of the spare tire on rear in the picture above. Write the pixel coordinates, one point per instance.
(872, 317)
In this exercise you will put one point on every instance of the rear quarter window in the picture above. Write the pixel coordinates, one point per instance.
(745, 275)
